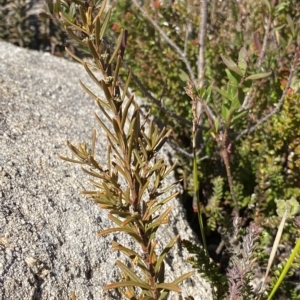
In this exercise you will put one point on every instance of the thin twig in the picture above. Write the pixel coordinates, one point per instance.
(222, 141)
(201, 36)
(168, 40)
(201, 61)
(187, 29)
(249, 96)
(280, 102)
(158, 103)
(187, 154)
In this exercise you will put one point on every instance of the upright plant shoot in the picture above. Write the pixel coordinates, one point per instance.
(130, 185)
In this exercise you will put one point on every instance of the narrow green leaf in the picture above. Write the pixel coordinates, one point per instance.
(116, 150)
(126, 85)
(93, 50)
(162, 141)
(165, 252)
(243, 57)
(117, 47)
(268, 5)
(225, 112)
(291, 25)
(134, 218)
(132, 275)
(73, 55)
(232, 90)
(148, 140)
(223, 93)
(143, 149)
(83, 16)
(258, 76)
(286, 268)
(124, 173)
(169, 286)
(169, 170)
(108, 96)
(97, 31)
(66, 18)
(161, 135)
(232, 79)
(231, 65)
(105, 24)
(217, 124)
(239, 115)
(137, 156)
(125, 111)
(162, 219)
(94, 174)
(117, 70)
(77, 39)
(76, 151)
(91, 74)
(235, 104)
(98, 100)
(127, 251)
(106, 129)
(94, 136)
(144, 187)
(161, 203)
(156, 166)
(71, 160)
(126, 230)
(126, 284)
(169, 187)
(101, 10)
(182, 277)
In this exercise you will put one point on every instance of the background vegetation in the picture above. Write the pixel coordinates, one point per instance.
(165, 50)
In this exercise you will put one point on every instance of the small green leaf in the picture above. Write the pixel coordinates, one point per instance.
(126, 230)
(233, 80)
(231, 65)
(99, 15)
(235, 104)
(225, 112)
(105, 24)
(217, 124)
(258, 76)
(239, 115)
(223, 93)
(291, 25)
(268, 5)
(182, 277)
(243, 57)
(117, 47)
(126, 284)
(208, 94)
(132, 275)
(72, 160)
(232, 91)
(183, 76)
(169, 286)
(165, 252)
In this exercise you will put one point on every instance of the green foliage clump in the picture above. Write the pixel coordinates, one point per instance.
(207, 268)
(158, 68)
(15, 22)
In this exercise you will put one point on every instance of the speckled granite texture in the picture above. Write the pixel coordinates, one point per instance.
(48, 243)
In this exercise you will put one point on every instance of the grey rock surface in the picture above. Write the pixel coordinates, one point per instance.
(48, 231)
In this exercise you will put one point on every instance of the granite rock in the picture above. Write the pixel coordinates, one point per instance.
(48, 231)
